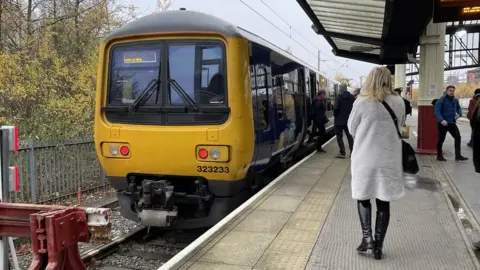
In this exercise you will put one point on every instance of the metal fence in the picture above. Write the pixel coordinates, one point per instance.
(49, 171)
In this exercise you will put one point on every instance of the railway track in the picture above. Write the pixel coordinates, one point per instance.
(140, 249)
(144, 248)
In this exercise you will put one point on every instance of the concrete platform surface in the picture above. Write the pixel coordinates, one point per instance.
(309, 221)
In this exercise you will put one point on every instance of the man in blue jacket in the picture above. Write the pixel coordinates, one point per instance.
(446, 109)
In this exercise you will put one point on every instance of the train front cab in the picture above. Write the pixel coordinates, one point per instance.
(175, 162)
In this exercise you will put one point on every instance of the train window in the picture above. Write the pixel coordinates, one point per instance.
(207, 72)
(199, 70)
(260, 92)
(290, 86)
(278, 92)
(133, 68)
(329, 104)
(289, 100)
(262, 95)
(307, 86)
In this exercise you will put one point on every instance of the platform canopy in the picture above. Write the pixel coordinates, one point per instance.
(375, 31)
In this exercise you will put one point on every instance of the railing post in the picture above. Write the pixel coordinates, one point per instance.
(4, 189)
(33, 171)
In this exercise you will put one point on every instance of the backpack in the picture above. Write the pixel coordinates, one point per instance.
(433, 103)
(408, 107)
(441, 109)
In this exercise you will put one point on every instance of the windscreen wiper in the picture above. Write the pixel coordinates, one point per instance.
(183, 95)
(145, 95)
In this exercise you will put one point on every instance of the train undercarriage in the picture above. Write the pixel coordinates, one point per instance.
(178, 202)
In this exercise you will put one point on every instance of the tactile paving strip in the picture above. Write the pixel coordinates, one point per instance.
(422, 235)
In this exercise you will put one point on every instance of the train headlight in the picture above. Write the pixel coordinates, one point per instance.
(114, 150)
(215, 153)
(203, 153)
(124, 151)
(212, 153)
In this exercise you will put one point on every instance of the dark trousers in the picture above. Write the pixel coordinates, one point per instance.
(442, 134)
(382, 206)
(471, 137)
(319, 130)
(339, 132)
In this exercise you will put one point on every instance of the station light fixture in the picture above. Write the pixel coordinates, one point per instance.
(461, 32)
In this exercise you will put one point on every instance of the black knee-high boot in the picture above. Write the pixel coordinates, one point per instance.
(381, 226)
(365, 214)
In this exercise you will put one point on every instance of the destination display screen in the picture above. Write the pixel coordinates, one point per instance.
(456, 10)
(459, 3)
(140, 57)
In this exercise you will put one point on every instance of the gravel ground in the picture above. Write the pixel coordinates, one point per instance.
(122, 258)
(120, 226)
(148, 256)
(88, 198)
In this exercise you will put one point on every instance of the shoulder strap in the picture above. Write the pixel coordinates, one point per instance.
(394, 117)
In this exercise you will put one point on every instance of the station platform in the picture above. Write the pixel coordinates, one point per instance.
(306, 219)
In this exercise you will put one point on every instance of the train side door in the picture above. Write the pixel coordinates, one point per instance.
(279, 120)
(256, 112)
(311, 97)
(264, 105)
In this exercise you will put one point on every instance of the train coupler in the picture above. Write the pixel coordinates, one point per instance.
(157, 218)
(157, 204)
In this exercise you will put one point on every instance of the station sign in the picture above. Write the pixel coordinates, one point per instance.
(456, 10)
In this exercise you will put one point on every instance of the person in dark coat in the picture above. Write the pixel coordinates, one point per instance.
(356, 92)
(471, 106)
(341, 112)
(320, 119)
(310, 118)
(408, 106)
(446, 109)
(475, 124)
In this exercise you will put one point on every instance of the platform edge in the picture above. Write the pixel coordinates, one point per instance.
(183, 256)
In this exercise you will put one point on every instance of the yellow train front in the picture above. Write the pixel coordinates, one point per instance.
(174, 126)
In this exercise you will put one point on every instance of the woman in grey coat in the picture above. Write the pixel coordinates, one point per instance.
(377, 170)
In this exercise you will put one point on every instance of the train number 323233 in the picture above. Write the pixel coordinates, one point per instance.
(213, 169)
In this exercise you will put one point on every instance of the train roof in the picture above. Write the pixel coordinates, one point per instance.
(185, 20)
(176, 20)
(257, 39)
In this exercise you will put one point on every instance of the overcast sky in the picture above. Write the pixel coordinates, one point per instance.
(239, 14)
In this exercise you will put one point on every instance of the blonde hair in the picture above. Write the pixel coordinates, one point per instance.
(378, 84)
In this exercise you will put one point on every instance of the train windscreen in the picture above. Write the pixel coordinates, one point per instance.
(132, 69)
(195, 73)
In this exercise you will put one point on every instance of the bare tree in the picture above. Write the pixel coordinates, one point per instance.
(163, 5)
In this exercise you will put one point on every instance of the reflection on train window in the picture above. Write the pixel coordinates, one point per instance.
(199, 71)
(289, 86)
(260, 86)
(132, 69)
(265, 114)
(289, 106)
(329, 104)
(207, 72)
(278, 89)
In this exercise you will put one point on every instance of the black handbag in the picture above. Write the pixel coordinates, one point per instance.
(409, 160)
